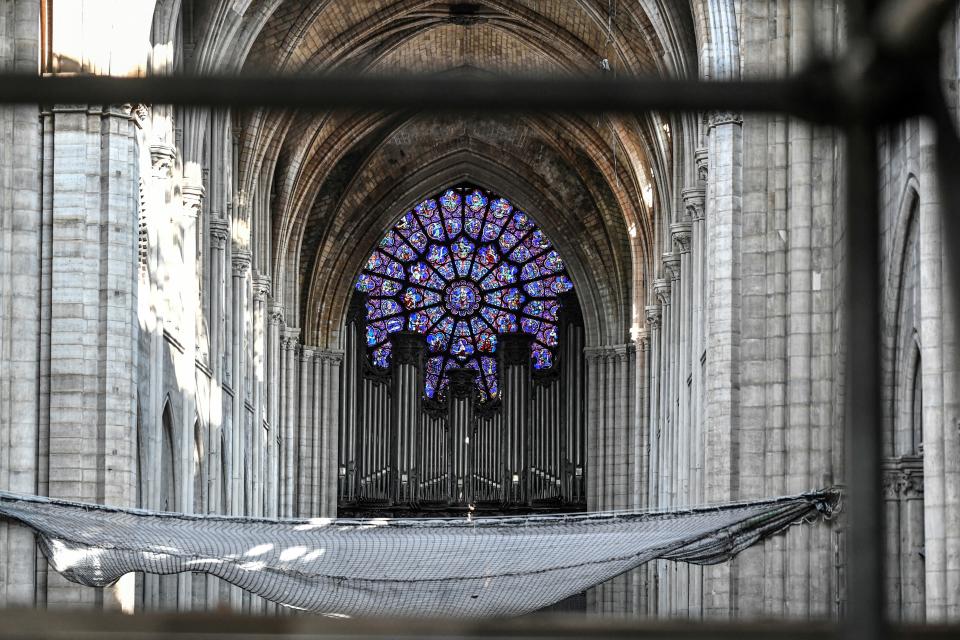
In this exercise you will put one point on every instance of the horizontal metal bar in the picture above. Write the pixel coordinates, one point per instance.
(20, 623)
(443, 93)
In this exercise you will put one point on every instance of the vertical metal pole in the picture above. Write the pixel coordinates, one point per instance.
(865, 617)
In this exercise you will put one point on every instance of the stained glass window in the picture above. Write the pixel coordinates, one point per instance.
(462, 268)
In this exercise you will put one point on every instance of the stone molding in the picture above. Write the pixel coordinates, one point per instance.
(618, 351)
(681, 232)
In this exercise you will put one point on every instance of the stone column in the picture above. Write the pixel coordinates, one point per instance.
(724, 193)
(259, 436)
(241, 269)
(661, 289)
(328, 428)
(93, 299)
(24, 306)
(290, 347)
(274, 337)
(307, 449)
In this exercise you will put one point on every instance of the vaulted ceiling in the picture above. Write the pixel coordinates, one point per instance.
(337, 180)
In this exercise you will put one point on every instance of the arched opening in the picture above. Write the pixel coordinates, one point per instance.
(463, 378)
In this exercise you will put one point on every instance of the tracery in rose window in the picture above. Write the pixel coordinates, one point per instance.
(461, 268)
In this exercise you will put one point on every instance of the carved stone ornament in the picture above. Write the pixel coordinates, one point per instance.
(261, 287)
(276, 314)
(220, 232)
(722, 117)
(661, 288)
(407, 348)
(192, 200)
(671, 264)
(700, 157)
(241, 262)
(653, 315)
(680, 232)
(694, 202)
(163, 157)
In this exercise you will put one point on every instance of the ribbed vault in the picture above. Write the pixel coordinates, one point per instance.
(320, 188)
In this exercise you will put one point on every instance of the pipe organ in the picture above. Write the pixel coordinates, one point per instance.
(521, 450)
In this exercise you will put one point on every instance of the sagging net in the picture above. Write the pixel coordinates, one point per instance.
(416, 567)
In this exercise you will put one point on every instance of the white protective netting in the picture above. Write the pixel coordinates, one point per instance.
(417, 567)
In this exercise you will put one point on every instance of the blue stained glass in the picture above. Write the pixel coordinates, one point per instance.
(536, 242)
(376, 333)
(461, 347)
(394, 324)
(546, 309)
(381, 356)
(418, 239)
(476, 201)
(472, 226)
(421, 321)
(520, 254)
(499, 209)
(522, 221)
(450, 200)
(542, 358)
(531, 271)
(529, 326)
(547, 334)
(379, 307)
(434, 365)
(460, 295)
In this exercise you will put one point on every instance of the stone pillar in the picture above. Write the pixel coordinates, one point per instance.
(290, 347)
(21, 234)
(661, 289)
(274, 338)
(241, 269)
(93, 350)
(259, 435)
(306, 444)
(327, 422)
(724, 192)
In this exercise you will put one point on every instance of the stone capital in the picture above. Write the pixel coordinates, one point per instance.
(700, 158)
(694, 202)
(652, 313)
(661, 288)
(276, 314)
(192, 196)
(220, 232)
(671, 264)
(241, 262)
(163, 157)
(680, 232)
(721, 117)
(261, 287)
